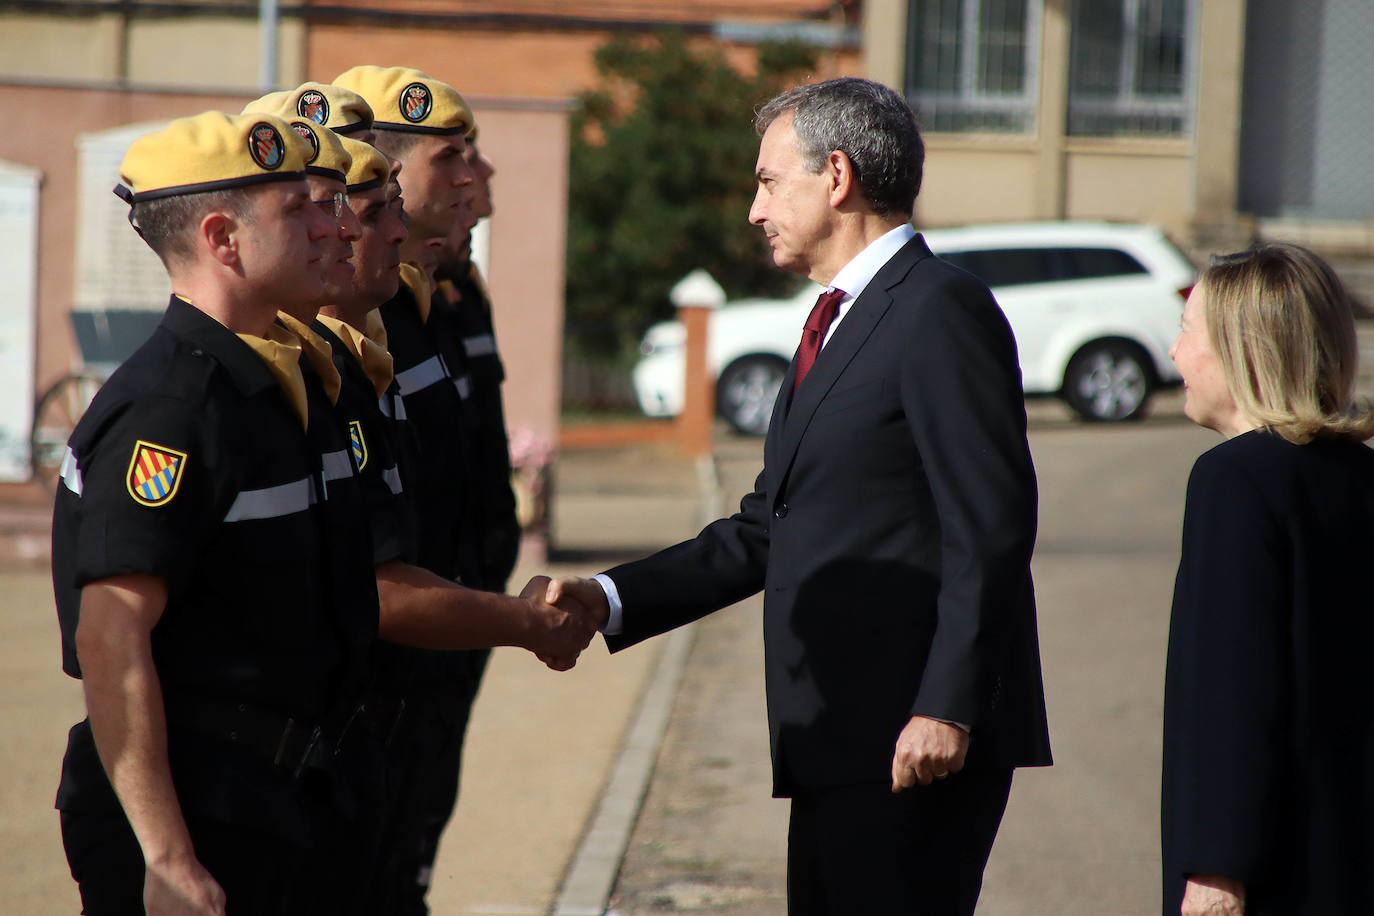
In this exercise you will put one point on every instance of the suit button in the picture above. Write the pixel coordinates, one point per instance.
(780, 511)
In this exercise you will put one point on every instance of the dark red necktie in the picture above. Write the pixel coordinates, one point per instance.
(817, 323)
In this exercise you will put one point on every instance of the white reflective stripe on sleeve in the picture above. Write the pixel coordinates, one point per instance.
(392, 476)
(464, 386)
(272, 502)
(421, 376)
(70, 473)
(337, 465)
(479, 345)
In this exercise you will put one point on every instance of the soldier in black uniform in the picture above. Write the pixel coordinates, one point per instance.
(214, 579)
(423, 123)
(493, 521)
(193, 572)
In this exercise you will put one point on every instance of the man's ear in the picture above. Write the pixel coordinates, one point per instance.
(844, 182)
(218, 234)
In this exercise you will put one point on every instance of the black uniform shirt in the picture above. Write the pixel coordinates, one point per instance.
(493, 523)
(192, 465)
(434, 390)
(377, 441)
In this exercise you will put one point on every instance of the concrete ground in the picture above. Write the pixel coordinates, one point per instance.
(1078, 838)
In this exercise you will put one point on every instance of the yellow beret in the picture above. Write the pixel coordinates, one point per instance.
(369, 169)
(341, 110)
(212, 151)
(407, 100)
(327, 156)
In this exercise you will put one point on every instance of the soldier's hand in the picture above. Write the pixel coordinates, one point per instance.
(587, 592)
(561, 629)
(181, 887)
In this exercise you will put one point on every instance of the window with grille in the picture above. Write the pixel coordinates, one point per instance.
(114, 268)
(970, 64)
(1130, 68)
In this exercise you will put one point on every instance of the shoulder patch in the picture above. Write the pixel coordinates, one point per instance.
(359, 444)
(154, 473)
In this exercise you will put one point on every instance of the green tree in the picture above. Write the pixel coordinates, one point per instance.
(660, 182)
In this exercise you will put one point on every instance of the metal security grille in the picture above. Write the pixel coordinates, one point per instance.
(114, 268)
(1130, 68)
(971, 64)
(1307, 111)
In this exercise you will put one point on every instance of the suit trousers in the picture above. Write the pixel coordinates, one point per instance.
(862, 850)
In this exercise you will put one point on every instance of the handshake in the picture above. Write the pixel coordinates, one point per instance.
(563, 616)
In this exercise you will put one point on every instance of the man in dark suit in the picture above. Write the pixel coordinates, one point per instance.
(891, 531)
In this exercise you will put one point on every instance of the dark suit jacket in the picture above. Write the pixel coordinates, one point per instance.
(891, 529)
(1269, 692)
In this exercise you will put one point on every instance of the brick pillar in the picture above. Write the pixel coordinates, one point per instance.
(696, 296)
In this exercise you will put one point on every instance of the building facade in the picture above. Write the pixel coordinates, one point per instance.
(79, 79)
(1221, 120)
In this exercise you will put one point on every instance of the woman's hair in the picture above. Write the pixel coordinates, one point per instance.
(1281, 324)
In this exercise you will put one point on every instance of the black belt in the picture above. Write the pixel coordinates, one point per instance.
(268, 735)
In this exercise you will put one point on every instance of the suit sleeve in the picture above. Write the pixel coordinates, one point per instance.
(1226, 732)
(961, 392)
(723, 564)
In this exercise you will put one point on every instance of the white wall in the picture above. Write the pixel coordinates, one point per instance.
(18, 310)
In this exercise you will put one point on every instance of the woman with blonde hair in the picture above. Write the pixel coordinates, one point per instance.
(1268, 788)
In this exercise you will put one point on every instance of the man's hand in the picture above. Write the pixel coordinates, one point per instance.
(563, 625)
(927, 749)
(586, 592)
(181, 888)
(1213, 895)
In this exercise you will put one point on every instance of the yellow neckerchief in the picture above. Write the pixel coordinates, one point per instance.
(320, 354)
(375, 328)
(449, 291)
(414, 279)
(373, 357)
(281, 350)
(480, 282)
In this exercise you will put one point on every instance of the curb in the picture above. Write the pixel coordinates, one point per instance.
(591, 876)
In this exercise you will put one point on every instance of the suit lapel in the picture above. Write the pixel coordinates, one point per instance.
(790, 422)
(778, 421)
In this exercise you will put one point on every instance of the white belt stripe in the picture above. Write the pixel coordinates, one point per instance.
(392, 476)
(337, 465)
(421, 376)
(480, 345)
(272, 502)
(464, 386)
(70, 473)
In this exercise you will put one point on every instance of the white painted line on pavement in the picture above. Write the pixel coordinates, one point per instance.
(592, 874)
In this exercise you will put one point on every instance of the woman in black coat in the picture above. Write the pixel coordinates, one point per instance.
(1268, 792)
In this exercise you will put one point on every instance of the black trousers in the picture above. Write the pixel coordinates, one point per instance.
(863, 851)
(261, 873)
(423, 769)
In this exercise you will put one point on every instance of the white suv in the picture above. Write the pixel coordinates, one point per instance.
(1094, 307)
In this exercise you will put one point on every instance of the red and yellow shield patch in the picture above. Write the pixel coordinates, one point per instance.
(154, 473)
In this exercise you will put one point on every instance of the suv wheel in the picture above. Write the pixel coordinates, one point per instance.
(747, 390)
(1108, 382)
